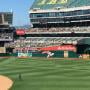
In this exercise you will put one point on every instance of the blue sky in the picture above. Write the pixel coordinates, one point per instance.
(20, 9)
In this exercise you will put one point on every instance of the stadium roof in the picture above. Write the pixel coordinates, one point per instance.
(52, 4)
(6, 18)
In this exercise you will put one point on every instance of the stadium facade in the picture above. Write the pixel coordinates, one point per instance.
(60, 12)
(60, 28)
(6, 32)
(65, 22)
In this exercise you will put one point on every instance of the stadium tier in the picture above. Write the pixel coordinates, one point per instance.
(48, 13)
(45, 41)
(59, 30)
(6, 31)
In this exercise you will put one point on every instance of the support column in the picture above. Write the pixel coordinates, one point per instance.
(65, 54)
(3, 20)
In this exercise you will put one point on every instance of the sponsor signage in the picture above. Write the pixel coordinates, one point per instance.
(26, 48)
(24, 55)
(20, 32)
(50, 2)
(61, 48)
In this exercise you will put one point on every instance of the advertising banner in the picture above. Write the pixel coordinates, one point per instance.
(20, 32)
(26, 49)
(51, 2)
(24, 55)
(59, 48)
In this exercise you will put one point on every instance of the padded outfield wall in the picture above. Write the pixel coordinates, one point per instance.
(57, 54)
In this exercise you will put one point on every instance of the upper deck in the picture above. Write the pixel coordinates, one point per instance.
(52, 4)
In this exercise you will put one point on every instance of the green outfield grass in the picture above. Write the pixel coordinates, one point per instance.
(43, 74)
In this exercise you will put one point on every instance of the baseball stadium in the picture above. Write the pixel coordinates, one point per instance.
(53, 54)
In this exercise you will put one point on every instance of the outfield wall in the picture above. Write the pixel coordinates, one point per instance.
(56, 54)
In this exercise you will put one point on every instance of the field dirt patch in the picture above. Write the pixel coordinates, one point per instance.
(5, 83)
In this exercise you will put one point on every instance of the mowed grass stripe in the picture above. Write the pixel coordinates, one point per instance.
(43, 74)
